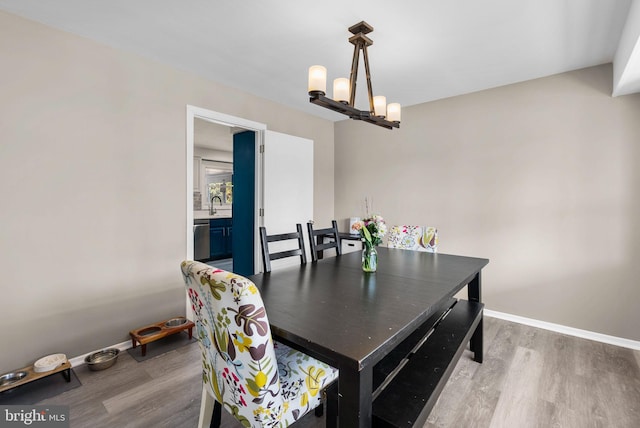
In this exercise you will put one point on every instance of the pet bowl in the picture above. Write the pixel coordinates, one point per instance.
(9, 378)
(102, 359)
(149, 331)
(49, 362)
(175, 322)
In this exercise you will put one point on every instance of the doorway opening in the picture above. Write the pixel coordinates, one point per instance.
(223, 175)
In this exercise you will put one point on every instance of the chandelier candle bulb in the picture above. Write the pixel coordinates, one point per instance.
(317, 79)
(341, 89)
(380, 105)
(393, 112)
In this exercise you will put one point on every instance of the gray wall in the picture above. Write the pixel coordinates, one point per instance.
(93, 182)
(540, 177)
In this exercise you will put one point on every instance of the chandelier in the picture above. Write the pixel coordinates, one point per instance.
(344, 90)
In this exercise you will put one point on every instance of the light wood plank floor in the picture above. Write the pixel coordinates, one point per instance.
(529, 378)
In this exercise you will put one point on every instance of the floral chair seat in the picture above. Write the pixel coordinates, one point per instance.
(416, 238)
(261, 383)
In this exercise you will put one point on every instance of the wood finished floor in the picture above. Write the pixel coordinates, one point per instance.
(529, 378)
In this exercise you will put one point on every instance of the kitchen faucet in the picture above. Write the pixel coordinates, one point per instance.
(212, 210)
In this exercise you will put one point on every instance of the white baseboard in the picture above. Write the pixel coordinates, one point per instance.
(79, 360)
(585, 334)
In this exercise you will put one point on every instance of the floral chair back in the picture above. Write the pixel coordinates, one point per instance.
(416, 238)
(259, 384)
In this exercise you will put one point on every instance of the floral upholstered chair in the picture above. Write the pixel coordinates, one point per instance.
(417, 238)
(261, 383)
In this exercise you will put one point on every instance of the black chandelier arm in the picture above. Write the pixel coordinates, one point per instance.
(352, 112)
(353, 77)
(368, 74)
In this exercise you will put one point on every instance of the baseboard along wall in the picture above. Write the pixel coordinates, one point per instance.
(571, 331)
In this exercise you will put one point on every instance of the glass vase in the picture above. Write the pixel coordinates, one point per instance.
(369, 258)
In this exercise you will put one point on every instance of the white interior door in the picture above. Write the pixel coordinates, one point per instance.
(287, 189)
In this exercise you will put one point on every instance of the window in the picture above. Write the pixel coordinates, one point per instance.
(218, 182)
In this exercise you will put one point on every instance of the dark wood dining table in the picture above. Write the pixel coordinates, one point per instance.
(350, 319)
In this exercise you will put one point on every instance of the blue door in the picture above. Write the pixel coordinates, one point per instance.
(244, 167)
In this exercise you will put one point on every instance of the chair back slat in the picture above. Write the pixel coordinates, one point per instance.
(325, 246)
(283, 236)
(285, 254)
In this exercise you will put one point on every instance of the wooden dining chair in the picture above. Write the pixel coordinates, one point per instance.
(317, 240)
(416, 238)
(268, 257)
(260, 382)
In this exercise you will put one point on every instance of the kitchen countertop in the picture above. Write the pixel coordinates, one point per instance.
(204, 215)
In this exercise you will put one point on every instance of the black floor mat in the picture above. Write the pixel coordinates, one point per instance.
(38, 390)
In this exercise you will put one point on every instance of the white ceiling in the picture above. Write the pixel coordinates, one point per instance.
(423, 49)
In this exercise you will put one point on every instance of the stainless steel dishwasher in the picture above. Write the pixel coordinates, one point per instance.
(201, 250)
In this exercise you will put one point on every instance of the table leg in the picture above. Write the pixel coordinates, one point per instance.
(67, 374)
(355, 392)
(474, 291)
(331, 403)
(476, 343)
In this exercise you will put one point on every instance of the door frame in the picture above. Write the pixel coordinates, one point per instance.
(194, 112)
